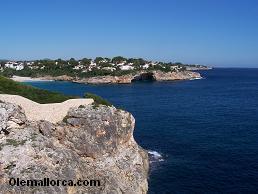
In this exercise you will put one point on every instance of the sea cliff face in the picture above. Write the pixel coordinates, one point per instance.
(92, 142)
(170, 76)
(127, 79)
(197, 68)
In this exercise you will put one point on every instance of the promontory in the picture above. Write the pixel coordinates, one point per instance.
(73, 146)
(100, 70)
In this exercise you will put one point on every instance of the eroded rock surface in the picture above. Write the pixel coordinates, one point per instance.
(91, 143)
(125, 79)
(142, 75)
(129, 78)
(170, 76)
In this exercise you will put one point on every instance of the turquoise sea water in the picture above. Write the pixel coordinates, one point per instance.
(203, 134)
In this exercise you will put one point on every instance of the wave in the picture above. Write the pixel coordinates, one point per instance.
(155, 156)
(197, 78)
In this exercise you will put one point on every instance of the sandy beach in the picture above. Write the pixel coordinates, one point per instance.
(28, 79)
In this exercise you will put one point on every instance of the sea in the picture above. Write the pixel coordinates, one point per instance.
(201, 135)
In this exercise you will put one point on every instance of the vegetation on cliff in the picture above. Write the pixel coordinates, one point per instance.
(85, 68)
(97, 99)
(8, 86)
(93, 145)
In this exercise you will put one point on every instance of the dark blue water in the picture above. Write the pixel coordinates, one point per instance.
(206, 130)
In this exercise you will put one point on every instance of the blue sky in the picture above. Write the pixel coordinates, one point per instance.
(220, 33)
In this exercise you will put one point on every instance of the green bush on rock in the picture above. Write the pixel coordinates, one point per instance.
(97, 99)
(8, 86)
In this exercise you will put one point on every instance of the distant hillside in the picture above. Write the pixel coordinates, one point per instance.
(8, 86)
(85, 68)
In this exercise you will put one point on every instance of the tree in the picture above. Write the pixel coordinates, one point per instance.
(118, 59)
(108, 59)
(73, 62)
(98, 60)
(85, 61)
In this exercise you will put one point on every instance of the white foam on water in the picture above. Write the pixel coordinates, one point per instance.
(197, 78)
(155, 156)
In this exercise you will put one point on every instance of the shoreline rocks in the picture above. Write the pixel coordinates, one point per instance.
(91, 143)
(127, 79)
(123, 79)
(141, 76)
(192, 68)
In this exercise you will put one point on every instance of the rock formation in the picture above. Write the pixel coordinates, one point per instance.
(53, 112)
(125, 79)
(170, 76)
(91, 143)
(142, 75)
(197, 68)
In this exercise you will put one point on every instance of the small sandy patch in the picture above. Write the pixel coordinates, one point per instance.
(50, 112)
(28, 79)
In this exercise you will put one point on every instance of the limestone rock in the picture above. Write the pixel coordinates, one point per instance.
(10, 116)
(141, 75)
(91, 143)
(181, 75)
(125, 79)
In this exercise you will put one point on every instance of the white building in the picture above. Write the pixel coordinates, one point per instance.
(92, 64)
(14, 65)
(30, 63)
(109, 68)
(121, 64)
(126, 67)
(78, 67)
(146, 66)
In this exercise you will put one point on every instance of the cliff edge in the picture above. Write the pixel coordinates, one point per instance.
(139, 76)
(91, 143)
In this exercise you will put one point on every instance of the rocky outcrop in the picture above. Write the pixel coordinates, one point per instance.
(57, 78)
(197, 68)
(124, 79)
(91, 143)
(171, 76)
(140, 76)
(52, 112)
(106, 79)
(63, 78)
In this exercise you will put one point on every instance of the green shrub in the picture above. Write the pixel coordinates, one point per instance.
(97, 99)
(8, 86)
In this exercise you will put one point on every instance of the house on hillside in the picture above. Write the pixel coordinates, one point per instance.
(14, 65)
(126, 67)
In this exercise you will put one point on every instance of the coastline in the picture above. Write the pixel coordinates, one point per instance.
(52, 112)
(91, 143)
(123, 79)
(29, 79)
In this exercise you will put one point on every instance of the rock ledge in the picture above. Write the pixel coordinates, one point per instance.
(91, 143)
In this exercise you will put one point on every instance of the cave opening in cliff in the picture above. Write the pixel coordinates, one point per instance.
(149, 77)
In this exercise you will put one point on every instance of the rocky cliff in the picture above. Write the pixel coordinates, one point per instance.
(142, 75)
(197, 68)
(170, 76)
(91, 143)
(129, 78)
(125, 79)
